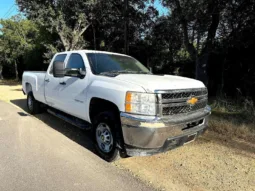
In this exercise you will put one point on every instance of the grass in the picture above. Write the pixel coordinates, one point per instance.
(11, 82)
(233, 118)
(231, 129)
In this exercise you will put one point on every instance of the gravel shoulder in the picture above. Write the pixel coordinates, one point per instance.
(209, 163)
(212, 162)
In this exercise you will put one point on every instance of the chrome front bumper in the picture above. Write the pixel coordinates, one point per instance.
(147, 135)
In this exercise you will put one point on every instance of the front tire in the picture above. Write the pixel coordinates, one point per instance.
(32, 104)
(105, 126)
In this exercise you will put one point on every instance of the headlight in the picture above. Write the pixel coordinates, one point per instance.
(140, 103)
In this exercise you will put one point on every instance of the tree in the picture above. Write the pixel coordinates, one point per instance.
(199, 21)
(165, 43)
(69, 19)
(236, 44)
(18, 36)
(1, 62)
(110, 28)
(82, 23)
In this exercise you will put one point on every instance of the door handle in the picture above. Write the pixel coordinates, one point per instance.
(62, 83)
(47, 80)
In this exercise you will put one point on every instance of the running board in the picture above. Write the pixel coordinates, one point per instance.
(70, 119)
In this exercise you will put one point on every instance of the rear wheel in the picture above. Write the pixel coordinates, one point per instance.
(104, 131)
(32, 104)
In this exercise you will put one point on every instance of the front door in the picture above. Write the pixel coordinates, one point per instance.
(73, 92)
(52, 85)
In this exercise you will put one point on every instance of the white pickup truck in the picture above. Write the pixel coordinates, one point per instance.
(130, 111)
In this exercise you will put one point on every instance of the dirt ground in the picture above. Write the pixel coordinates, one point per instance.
(212, 162)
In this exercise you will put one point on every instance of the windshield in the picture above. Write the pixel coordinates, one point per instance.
(101, 63)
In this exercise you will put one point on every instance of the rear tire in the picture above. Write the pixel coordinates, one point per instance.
(104, 130)
(33, 105)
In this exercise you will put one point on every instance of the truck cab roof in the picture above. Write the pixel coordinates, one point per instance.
(91, 51)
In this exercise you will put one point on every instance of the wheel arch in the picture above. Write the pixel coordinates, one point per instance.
(28, 88)
(98, 105)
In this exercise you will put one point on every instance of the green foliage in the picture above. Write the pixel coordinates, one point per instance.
(18, 36)
(75, 21)
(183, 54)
(165, 40)
(20, 39)
(68, 19)
(109, 27)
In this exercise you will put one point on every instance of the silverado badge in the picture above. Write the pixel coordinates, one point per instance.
(192, 101)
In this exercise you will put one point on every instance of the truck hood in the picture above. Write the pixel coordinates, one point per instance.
(160, 82)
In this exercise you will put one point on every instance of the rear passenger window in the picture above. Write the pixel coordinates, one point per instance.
(59, 58)
(75, 61)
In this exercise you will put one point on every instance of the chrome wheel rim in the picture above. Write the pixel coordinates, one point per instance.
(30, 103)
(104, 137)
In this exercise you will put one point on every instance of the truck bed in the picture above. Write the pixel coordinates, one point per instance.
(35, 80)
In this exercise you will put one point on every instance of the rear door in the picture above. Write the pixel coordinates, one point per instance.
(73, 92)
(52, 85)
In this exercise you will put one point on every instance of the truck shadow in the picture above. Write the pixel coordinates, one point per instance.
(74, 133)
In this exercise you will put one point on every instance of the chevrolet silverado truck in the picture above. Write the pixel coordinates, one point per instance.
(129, 110)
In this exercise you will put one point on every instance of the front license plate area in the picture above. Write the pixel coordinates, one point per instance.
(191, 138)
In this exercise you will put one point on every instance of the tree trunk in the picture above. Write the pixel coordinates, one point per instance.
(1, 69)
(16, 71)
(94, 37)
(202, 68)
(148, 63)
(126, 49)
(202, 60)
(222, 77)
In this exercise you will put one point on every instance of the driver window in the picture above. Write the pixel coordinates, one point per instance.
(75, 61)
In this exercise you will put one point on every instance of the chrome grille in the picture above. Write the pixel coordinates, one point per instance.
(184, 94)
(174, 102)
(173, 110)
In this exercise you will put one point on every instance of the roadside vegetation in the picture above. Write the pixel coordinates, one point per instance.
(233, 118)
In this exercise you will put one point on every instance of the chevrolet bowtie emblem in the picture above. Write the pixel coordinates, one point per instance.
(192, 101)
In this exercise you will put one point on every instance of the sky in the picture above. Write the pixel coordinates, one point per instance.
(162, 10)
(8, 8)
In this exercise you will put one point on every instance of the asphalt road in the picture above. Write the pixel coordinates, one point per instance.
(44, 153)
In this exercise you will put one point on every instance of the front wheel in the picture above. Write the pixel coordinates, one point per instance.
(104, 129)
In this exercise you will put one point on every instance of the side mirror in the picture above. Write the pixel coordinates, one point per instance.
(58, 69)
(75, 72)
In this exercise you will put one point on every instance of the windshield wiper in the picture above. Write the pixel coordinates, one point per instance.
(142, 72)
(117, 72)
(124, 72)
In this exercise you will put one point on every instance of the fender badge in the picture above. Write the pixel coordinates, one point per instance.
(192, 101)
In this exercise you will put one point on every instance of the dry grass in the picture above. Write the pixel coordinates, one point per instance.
(234, 118)
(10, 90)
(232, 130)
